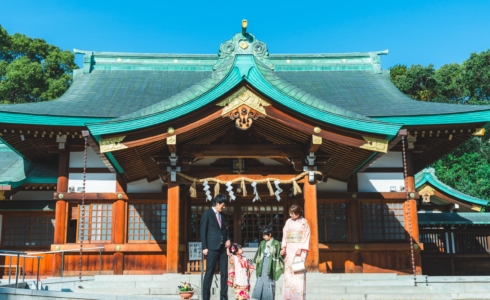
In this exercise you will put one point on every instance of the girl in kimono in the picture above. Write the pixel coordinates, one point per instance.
(239, 270)
(270, 266)
(295, 245)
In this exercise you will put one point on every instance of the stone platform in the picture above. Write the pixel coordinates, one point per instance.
(319, 286)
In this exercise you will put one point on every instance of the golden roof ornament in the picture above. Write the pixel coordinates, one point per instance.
(243, 43)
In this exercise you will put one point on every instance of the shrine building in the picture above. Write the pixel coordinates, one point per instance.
(128, 157)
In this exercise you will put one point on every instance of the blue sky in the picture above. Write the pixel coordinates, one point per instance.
(415, 32)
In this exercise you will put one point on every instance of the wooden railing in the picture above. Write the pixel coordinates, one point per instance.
(453, 242)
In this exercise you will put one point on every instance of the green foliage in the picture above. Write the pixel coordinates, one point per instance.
(477, 76)
(32, 70)
(466, 168)
(417, 81)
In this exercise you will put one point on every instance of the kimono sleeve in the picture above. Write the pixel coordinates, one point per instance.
(231, 270)
(305, 240)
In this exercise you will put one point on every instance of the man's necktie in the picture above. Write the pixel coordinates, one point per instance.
(219, 219)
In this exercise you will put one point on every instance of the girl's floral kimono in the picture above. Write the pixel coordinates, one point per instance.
(296, 235)
(239, 270)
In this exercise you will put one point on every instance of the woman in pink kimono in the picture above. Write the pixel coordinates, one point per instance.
(295, 245)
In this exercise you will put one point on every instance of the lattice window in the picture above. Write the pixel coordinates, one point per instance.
(433, 241)
(471, 242)
(97, 222)
(28, 231)
(195, 221)
(254, 217)
(332, 222)
(383, 221)
(147, 222)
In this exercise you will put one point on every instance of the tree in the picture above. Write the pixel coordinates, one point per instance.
(477, 76)
(450, 84)
(466, 168)
(32, 70)
(417, 81)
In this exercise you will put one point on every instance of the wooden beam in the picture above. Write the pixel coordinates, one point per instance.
(391, 145)
(366, 247)
(173, 230)
(228, 177)
(450, 199)
(311, 215)
(208, 171)
(364, 195)
(283, 118)
(172, 143)
(136, 141)
(96, 148)
(243, 151)
(91, 196)
(315, 143)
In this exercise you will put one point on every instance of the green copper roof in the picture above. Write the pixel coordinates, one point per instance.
(15, 171)
(122, 86)
(230, 74)
(428, 176)
(373, 95)
(426, 219)
(108, 94)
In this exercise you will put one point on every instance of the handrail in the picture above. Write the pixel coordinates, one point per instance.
(67, 250)
(20, 255)
(24, 255)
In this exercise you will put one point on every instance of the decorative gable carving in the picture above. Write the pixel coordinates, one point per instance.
(243, 106)
(426, 192)
(243, 43)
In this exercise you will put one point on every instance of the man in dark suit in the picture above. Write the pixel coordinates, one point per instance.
(215, 240)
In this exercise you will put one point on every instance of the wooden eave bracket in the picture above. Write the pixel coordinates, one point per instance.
(393, 143)
(91, 142)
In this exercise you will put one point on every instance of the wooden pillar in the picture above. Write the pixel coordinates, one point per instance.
(61, 208)
(354, 220)
(119, 230)
(173, 236)
(311, 215)
(412, 203)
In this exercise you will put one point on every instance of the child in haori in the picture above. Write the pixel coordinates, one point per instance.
(239, 270)
(270, 266)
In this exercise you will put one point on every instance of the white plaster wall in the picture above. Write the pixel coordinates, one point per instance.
(95, 182)
(143, 186)
(93, 161)
(332, 185)
(389, 160)
(34, 195)
(379, 182)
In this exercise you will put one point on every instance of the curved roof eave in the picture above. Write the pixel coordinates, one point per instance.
(440, 119)
(244, 68)
(428, 176)
(46, 120)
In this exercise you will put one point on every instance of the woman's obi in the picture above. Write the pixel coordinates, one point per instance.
(294, 236)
